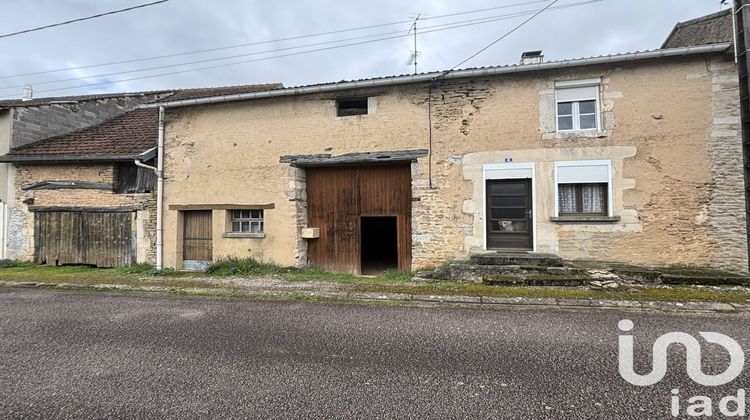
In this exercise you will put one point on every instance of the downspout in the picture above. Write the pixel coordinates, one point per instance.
(160, 191)
(159, 171)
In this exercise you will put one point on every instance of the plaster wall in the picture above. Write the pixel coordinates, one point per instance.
(657, 123)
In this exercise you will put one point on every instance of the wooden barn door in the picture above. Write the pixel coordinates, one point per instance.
(338, 198)
(197, 241)
(103, 239)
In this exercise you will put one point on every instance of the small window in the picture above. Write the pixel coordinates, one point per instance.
(247, 221)
(577, 105)
(583, 188)
(575, 199)
(351, 106)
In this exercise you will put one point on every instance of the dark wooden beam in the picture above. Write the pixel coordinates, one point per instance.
(221, 206)
(364, 158)
(120, 209)
(67, 185)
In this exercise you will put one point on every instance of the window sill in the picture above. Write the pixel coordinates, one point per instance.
(586, 134)
(585, 219)
(243, 235)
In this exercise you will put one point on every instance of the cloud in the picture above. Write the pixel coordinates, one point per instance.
(606, 27)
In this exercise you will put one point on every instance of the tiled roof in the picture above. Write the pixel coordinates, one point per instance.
(9, 103)
(715, 28)
(124, 137)
(121, 138)
(194, 93)
(172, 94)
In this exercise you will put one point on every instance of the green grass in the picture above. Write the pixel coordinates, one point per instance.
(388, 282)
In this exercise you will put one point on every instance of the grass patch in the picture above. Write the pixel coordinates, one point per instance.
(241, 267)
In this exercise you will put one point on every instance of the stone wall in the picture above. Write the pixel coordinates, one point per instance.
(665, 128)
(21, 219)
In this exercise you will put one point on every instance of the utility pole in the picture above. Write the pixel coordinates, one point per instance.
(741, 21)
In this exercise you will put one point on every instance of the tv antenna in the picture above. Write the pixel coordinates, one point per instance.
(415, 53)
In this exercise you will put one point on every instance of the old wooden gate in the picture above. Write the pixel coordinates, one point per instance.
(103, 239)
(196, 238)
(338, 198)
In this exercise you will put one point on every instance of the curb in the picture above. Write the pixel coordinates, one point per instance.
(403, 297)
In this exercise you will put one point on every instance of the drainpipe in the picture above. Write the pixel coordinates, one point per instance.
(159, 171)
(160, 191)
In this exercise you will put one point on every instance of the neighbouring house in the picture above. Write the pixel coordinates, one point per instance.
(88, 196)
(26, 121)
(631, 157)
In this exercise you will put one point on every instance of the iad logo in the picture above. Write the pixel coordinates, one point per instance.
(700, 405)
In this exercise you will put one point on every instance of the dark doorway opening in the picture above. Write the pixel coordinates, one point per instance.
(379, 244)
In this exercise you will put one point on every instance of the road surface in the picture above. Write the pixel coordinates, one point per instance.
(82, 355)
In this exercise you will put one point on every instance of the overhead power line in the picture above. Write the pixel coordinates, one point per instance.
(292, 38)
(426, 29)
(504, 35)
(437, 28)
(67, 22)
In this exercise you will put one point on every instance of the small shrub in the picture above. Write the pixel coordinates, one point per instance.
(233, 266)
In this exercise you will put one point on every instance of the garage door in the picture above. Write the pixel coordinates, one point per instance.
(103, 239)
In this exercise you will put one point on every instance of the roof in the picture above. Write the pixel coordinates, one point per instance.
(715, 28)
(302, 161)
(444, 75)
(128, 136)
(10, 103)
(125, 137)
(172, 94)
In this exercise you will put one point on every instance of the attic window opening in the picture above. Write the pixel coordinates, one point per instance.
(351, 106)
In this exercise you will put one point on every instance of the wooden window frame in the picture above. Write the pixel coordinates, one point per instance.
(233, 218)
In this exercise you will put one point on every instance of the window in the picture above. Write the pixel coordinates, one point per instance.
(577, 105)
(247, 221)
(351, 106)
(582, 198)
(583, 188)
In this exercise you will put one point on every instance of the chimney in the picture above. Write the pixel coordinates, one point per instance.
(531, 57)
(28, 93)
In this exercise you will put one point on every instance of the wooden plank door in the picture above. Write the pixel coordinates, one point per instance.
(509, 221)
(337, 199)
(197, 240)
(103, 239)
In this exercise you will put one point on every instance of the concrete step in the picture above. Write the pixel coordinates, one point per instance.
(517, 258)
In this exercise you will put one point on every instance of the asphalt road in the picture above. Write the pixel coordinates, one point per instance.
(75, 355)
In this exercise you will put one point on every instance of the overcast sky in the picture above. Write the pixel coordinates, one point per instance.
(178, 26)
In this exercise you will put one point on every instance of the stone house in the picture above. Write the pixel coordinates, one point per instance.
(631, 157)
(87, 196)
(26, 121)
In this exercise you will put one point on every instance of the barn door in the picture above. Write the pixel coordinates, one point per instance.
(103, 239)
(196, 239)
(340, 198)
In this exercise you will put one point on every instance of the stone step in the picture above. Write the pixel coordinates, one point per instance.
(465, 271)
(517, 258)
(536, 280)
